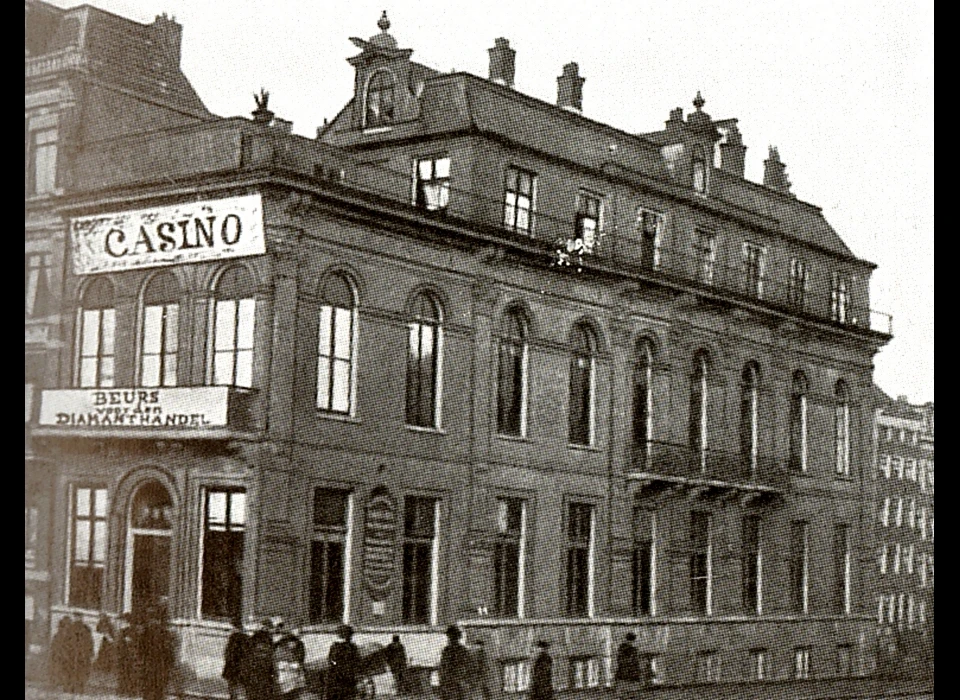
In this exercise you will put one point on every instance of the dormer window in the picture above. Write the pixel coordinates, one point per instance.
(432, 183)
(839, 298)
(699, 170)
(650, 228)
(587, 225)
(379, 109)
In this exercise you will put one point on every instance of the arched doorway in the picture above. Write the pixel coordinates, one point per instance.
(148, 548)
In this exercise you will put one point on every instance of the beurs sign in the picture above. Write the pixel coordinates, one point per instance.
(193, 407)
(183, 233)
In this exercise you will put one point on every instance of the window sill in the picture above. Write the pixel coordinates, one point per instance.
(425, 429)
(341, 417)
(376, 130)
(583, 448)
(848, 478)
(506, 437)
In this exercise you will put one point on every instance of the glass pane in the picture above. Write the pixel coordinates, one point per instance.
(326, 319)
(89, 333)
(223, 369)
(81, 547)
(152, 317)
(523, 219)
(225, 320)
(443, 167)
(109, 321)
(100, 503)
(343, 334)
(46, 168)
(424, 169)
(83, 503)
(170, 370)
(173, 315)
(88, 373)
(525, 183)
(100, 543)
(238, 508)
(323, 383)
(341, 386)
(106, 372)
(244, 370)
(217, 507)
(246, 323)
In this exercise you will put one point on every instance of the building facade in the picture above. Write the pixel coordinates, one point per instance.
(465, 357)
(904, 507)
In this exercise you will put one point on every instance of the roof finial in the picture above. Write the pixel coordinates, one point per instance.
(698, 101)
(384, 22)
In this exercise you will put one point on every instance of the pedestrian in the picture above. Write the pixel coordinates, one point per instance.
(257, 672)
(127, 641)
(344, 660)
(454, 671)
(61, 657)
(237, 644)
(156, 650)
(480, 675)
(627, 676)
(541, 677)
(106, 662)
(289, 654)
(82, 653)
(396, 656)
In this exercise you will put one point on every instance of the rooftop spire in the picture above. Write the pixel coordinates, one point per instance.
(383, 40)
(384, 22)
(698, 101)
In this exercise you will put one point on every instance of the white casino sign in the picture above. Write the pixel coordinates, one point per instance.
(183, 233)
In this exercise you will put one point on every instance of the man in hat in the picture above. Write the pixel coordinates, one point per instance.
(627, 676)
(344, 659)
(396, 656)
(237, 644)
(541, 677)
(454, 668)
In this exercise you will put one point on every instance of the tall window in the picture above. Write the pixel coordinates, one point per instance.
(749, 409)
(432, 183)
(234, 317)
(841, 569)
(158, 349)
(336, 351)
(706, 255)
(587, 222)
(642, 399)
(328, 554)
(838, 298)
(423, 362)
(225, 520)
(96, 323)
(579, 583)
(581, 385)
(700, 563)
(797, 289)
(753, 261)
(36, 281)
(699, 163)
(697, 426)
(799, 564)
(750, 564)
(380, 105)
(842, 429)
(801, 663)
(519, 197)
(512, 375)
(798, 423)
(508, 557)
(650, 228)
(642, 593)
(88, 550)
(419, 550)
(42, 162)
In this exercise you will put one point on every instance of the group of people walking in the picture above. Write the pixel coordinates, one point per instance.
(139, 651)
(265, 665)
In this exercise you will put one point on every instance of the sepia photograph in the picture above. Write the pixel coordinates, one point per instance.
(443, 350)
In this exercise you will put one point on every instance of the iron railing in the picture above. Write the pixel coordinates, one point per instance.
(686, 462)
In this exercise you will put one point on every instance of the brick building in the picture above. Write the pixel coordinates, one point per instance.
(467, 356)
(904, 506)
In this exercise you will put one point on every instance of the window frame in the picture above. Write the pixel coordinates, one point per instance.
(698, 409)
(505, 539)
(508, 344)
(38, 299)
(584, 351)
(798, 284)
(706, 259)
(643, 575)
(240, 310)
(414, 410)
(237, 528)
(798, 422)
(799, 574)
(105, 351)
(840, 298)
(328, 361)
(169, 318)
(380, 91)
(512, 177)
(421, 191)
(754, 268)
(659, 226)
(92, 598)
(578, 595)
(842, 430)
(329, 534)
(585, 200)
(749, 415)
(752, 564)
(49, 149)
(698, 167)
(416, 542)
(701, 563)
(842, 561)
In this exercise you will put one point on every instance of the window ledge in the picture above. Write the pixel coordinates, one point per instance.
(341, 417)
(506, 437)
(844, 477)
(425, 429)
(583, 448)
(376, 130)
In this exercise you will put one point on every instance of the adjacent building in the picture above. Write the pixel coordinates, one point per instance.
(468, 357)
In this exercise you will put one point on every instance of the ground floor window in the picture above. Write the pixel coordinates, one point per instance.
(758, 664)
(328, 554)
(88, 546)
(222, 577)
(801, 663)
(419, 559)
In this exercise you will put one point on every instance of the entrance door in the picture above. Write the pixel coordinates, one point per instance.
(148, 579)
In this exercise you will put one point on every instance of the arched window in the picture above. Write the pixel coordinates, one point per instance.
(584, 349)
(842, 429)
(379, 104)
(96, 322)
(234, 314)
(148, 547)
(697, 427)
(642, 397)
(699, 170)
(749, 400)
(423, 362)
(798, 422)
(336, 350)
(158, 347)
(512, 376)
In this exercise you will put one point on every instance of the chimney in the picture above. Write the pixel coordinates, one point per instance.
(674, 124)
(169, 34)
(262, 115)
(733, 152)
(502, 62)
(570, 88)
(775, 172)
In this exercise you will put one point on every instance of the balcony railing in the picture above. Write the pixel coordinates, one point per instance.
(684, 464)
(36, 66)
